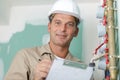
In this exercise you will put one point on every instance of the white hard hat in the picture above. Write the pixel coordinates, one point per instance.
(69, 7)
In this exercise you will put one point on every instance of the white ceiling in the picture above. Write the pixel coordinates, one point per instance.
(5, 6)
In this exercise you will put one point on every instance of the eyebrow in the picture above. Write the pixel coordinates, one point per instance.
(67, 21)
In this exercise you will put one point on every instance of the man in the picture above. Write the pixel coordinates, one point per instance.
(35, 63)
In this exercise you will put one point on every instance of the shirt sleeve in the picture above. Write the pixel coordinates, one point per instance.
(18, 69)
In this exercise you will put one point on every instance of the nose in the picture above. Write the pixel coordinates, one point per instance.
(63, 28)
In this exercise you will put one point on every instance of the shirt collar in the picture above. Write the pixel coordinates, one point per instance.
(46, 48)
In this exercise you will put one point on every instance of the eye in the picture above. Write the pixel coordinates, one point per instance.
(70, 24)
(57, 23)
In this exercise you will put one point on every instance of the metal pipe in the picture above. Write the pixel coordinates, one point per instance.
(118, 23)
(111, 40)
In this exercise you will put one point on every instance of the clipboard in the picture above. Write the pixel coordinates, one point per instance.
(69, 70)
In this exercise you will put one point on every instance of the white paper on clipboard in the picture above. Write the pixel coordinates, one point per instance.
(61, 71)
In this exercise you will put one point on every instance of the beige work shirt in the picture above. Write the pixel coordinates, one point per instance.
(22, 67)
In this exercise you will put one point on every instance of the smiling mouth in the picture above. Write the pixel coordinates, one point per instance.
(61, 35)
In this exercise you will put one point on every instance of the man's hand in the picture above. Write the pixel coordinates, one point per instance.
(42, 69)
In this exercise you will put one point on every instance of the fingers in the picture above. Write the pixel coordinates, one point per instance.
(42, 69)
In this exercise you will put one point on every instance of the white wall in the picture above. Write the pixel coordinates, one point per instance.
(90, 36)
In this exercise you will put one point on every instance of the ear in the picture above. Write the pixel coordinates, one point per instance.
(49, 27)
(76, 32)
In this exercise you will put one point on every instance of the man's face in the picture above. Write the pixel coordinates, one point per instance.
(62, 29)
